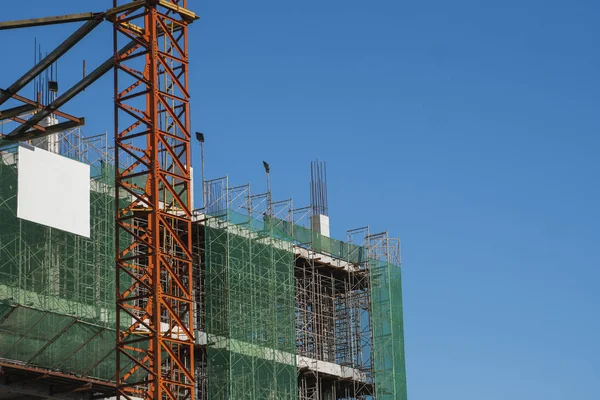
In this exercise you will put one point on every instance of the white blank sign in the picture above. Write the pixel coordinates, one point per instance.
(53, 191)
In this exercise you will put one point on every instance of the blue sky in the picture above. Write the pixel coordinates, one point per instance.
(469, 130)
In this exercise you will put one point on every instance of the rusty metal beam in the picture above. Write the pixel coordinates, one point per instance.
(49, 59)
(6, 367)
(186, 14)
(37, 105)
(61, 19)
(129, 7)
(16, 111)
(69, 94)
(36, 134)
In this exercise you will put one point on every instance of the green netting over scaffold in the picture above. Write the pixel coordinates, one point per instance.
(57, 289)
(250, 311)
(388, 331)
(319, 243)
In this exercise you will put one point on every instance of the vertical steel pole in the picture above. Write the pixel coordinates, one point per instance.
(203, 178)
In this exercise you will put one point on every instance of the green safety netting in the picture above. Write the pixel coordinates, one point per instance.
(57, 288)
(250, 311)
(57, 297)
(324, 244)
(56, 342)
(388, 331)
(303, 236)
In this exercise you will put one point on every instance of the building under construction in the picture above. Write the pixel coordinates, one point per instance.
(271, 307)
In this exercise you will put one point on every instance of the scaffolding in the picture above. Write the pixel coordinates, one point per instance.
(251, 351)
(333, 309)
(57, 289)
(387, 317)
(281, 311)
(342, 312)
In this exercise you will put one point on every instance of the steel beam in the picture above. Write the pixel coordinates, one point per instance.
(36, 134)
(49, 59)
(129, 7)
(61, 19)
(37, 105)
(8, 368)
(70, 94)
(185, 13)
(16, 111)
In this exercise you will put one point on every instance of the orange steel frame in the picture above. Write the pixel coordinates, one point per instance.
(155, 344)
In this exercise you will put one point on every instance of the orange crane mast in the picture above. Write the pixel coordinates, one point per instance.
(154, 299)
(155, 344)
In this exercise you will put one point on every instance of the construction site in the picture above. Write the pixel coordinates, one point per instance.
(123, 285)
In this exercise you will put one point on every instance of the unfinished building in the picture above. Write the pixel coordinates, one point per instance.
(282, 311)
(284, 299)
(113, 284)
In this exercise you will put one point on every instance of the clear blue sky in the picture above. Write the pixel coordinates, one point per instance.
(469, 130)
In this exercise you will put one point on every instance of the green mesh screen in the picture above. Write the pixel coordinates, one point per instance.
(56, 288)
(388, 331)
(56, 341)
(322, 244)
(250, 313)
(57, 298)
